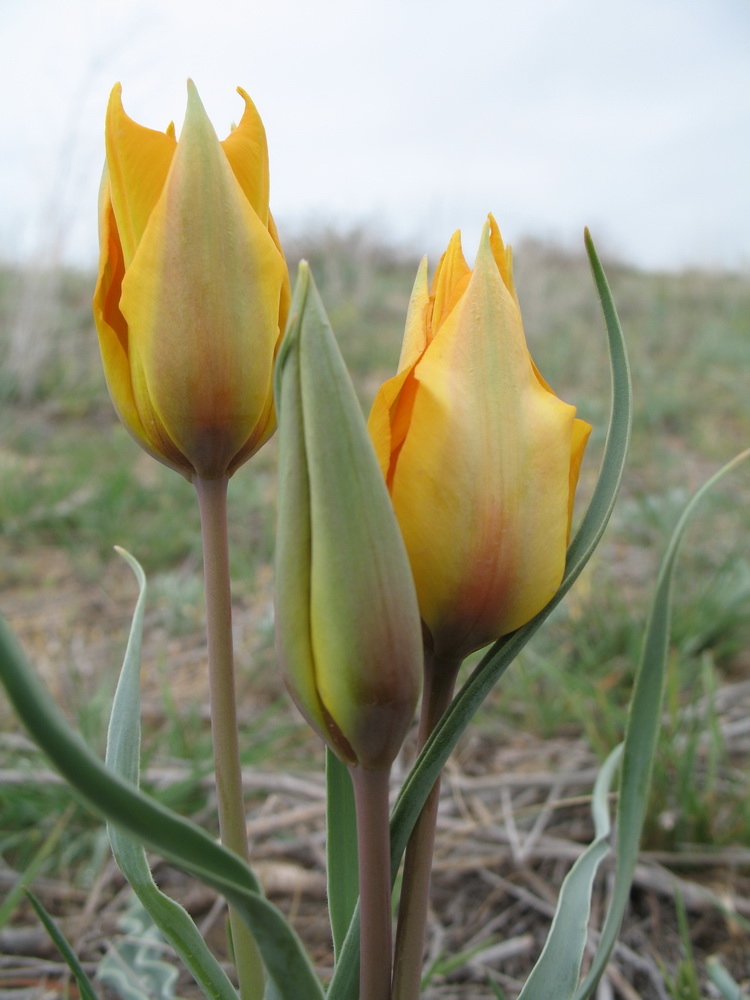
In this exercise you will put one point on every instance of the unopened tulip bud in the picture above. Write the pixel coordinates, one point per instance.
(347, 621)
(480, 457)
(193, 289)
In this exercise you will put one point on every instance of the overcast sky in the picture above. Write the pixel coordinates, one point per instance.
(415, 117)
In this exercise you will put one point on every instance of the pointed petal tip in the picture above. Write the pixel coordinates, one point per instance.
(246, 97)
(196, 119)
(304, 280)
(455, 241)
(192, 92)
(114, 104)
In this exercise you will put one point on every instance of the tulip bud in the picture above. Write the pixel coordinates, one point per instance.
(480, 457)
(193, 289)
(347, 621)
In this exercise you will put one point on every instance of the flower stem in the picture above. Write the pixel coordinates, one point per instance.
(373, 840)
(439, 681)
(212, 501)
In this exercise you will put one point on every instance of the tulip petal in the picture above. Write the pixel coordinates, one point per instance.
(112, 328)
(581, 432)
(415, 332)
(138, 161)
(452, 275)
(247, 151)
(389, 418)
(201, 351)
(294, 550)
(503, 257)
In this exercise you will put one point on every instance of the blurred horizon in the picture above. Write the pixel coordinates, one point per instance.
(407, 120)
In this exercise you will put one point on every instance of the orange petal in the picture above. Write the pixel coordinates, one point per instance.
(247, 151)
(451, 278)
(138, 160)
(110, 323)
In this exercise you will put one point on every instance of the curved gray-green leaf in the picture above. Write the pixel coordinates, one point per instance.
(123, 757)
(555, 976)
(644, 721)
(160, 829)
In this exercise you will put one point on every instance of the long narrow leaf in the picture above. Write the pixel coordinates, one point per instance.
(447, 733)
(85, 986)
(555, 976)
(175, 838)
(341, 849)
(644, 720)
(123, 757)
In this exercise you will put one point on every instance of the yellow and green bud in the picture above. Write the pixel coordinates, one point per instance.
(193, 288)
(347, 621)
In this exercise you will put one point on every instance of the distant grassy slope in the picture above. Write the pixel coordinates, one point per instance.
(74, 483)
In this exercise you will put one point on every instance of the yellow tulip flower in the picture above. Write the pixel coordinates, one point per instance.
(480, 457)
(193, 288)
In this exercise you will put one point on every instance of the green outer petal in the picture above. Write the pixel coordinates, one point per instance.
(293, 537)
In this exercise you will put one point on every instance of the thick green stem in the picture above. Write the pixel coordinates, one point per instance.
(439, 682)
(373, 840)
(212, 500)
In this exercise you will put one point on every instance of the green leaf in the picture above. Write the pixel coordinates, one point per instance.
(644, 720)
(446, 734)
(555, 975)
(85, 986)
(343, 878)
(159, 828)
(123, 757)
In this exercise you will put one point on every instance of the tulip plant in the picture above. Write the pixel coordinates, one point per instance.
(440, 527)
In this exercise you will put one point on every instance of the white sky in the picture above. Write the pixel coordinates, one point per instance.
(414, 116)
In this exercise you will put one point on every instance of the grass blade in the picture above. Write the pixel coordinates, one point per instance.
(555, 976)
(644, 720)
(85, 986)
(341, 849)
(486, 674)
(123, 757)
